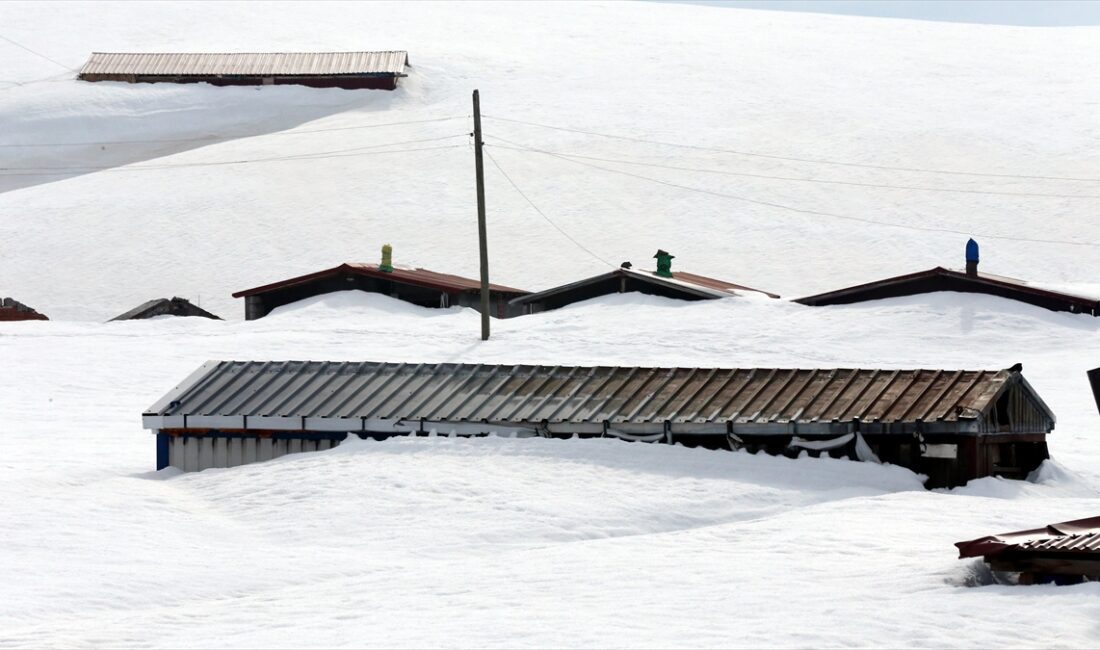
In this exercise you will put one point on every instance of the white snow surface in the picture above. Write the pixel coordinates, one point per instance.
(523, 542)
(440, 542)
(992, 99)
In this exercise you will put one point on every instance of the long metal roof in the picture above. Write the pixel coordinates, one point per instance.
(347, 396)
(246, 63)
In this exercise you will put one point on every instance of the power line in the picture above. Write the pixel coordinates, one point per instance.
(813, 180)
(302, 156)
(814, 212)
(541, 213)
(38, 54)
(239, 162)
(214, 138)
(820, 161)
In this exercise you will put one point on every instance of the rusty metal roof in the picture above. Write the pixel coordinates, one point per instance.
(359, 396)
(247, 63)
(406, 274)
(713, 283)
(1077, 536)
(689, 284)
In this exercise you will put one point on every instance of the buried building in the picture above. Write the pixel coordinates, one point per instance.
(961, 281)
(1063, 553)
(663, 282)
(13, 310)
(165, 307)
(417, 286)
(952, 425)
(350, 70)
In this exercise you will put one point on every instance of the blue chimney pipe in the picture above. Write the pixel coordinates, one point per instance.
(971, 257)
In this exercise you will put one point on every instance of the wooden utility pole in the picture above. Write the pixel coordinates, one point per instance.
(481, 236)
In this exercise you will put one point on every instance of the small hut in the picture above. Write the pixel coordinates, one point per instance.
(415, 285)
(964, 281)
(13, 310)
(165, 307)
(663, 282)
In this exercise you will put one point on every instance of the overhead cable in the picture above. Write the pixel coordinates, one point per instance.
(816, 180)
(819, 213)
(540, 212)
(38, 54)
(820, 161)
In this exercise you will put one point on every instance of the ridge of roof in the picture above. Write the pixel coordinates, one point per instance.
(410, 274)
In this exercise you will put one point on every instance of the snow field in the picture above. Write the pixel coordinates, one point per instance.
(503, 542)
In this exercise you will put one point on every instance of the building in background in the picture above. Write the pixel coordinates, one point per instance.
(417, 286)
(165, 307)
(13, 310)
(967, 281)
(351, 70)
(663, 282)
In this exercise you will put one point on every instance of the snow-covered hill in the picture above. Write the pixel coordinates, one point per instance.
(506, 543)
(1002, 100)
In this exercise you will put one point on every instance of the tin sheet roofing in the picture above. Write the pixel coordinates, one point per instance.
(406, 274)
(246, 63)
(1077, 536)
(519, 395)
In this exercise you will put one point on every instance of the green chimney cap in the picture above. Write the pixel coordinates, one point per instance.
(664, 263)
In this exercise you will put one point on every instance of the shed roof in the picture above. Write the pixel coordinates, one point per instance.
(689, 283)
(404, 274)
(980, 283)
(388, 63)
(353, 396)
(1078, 536)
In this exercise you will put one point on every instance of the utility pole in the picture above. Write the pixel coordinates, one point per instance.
(481, 236)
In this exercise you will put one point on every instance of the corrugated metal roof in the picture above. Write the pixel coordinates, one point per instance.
(765, 399)
(246, 63)
(406, 274)
(1077, 536)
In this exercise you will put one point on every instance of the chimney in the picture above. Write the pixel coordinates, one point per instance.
(664, 263)
(972, 258)
(387, 259)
